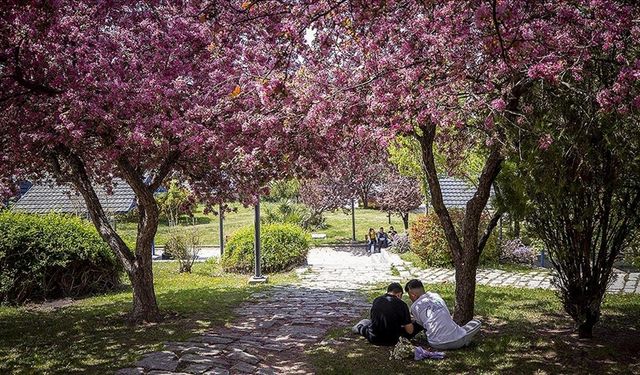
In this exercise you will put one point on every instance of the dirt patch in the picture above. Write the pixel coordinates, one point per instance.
(49, 306)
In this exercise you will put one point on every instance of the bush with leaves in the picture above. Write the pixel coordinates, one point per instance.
(284, 246)
(514, 251)
(285, 212)
(184, 246)
(283, 190)
(401, 243)
(429, 243)
(52, 256)
(174, 203)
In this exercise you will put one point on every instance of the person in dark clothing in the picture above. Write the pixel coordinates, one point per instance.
(390, 319)
(382, 240)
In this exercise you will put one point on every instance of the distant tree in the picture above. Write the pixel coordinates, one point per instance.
(399, 194)
(280, 190)
(325, 193)
(405, 155)
(370, 168)
(175, 202)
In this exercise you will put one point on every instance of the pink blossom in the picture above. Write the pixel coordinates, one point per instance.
(499, 104)
(545, 141)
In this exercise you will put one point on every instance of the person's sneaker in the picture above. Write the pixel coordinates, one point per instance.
(356, 329)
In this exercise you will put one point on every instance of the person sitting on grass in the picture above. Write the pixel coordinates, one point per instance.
(431, 312)
(392, 233)
(390, 319)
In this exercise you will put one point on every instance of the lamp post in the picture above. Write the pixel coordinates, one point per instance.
(221, 213)
(353, 219)
(257, 275)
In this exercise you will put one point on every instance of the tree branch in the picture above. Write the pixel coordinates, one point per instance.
(164, 170)
(18, 76)
(79, 177)
(426, 140)
(490, 227)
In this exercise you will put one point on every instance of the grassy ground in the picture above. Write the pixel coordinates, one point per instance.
(338, 225)
(525, 332)
(92, 335)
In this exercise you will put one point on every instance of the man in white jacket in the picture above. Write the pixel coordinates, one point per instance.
(430, 311)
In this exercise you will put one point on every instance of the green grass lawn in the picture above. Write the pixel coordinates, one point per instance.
(92, 335)
(338, 225)
(525, 331)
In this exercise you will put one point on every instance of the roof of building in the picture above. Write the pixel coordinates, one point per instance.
(457, 192)
(43, 198)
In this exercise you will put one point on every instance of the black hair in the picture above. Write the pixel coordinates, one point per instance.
(394, 288)
(413, 284)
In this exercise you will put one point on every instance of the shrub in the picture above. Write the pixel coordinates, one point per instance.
(429, 243)
(514, 251)
(175, 203)
(284, 246)
(283, 190)
(285, 212)
(401, 243)
(52, 256)
(314, 221)
(130, 216)
(631, 255)
(184, 246)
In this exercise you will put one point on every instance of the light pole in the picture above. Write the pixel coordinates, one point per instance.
(353, 219)
(257, 275)
(221, 213)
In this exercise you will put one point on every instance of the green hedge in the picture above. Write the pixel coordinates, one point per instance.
(428, 240)
(284, 246)
(52, 256)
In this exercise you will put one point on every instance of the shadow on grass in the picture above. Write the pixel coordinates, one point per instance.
(524, 332)
(94, 336)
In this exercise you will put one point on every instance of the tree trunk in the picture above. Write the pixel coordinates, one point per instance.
(585, 329)
(465, 247)
(68, 166)
(364, 196)
(465, 289)
(145, 306)
(405, 220)
(516, 228)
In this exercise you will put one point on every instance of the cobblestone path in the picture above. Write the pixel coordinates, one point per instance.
(621, 282)
(273, 328)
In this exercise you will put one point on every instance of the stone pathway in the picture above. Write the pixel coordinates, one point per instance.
(352, 269)
(621, 283)
(273, 328)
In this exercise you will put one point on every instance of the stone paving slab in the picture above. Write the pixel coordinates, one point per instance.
(272, 330)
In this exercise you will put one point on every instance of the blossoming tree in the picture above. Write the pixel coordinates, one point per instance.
(146, 91)
(455, 74)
